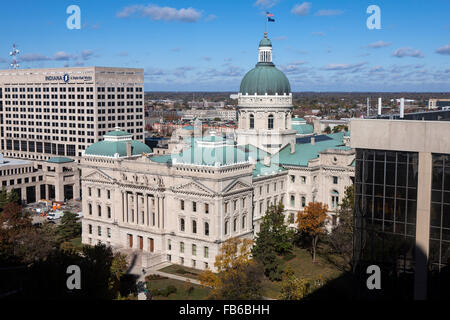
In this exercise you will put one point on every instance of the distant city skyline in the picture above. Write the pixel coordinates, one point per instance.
(210, 45)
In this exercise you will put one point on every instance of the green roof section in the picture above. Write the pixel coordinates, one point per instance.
(262, 170)
(60, 160)
(306, 152)
(111, 148)
(265, 78)
(117, 133)
(254, 152)
(162, 159)
(303, 128)
(205, 156)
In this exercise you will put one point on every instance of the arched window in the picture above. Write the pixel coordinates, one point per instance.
(243, 221)
(206, 229)
(226, 227)
(334, 199)
(252, 121)
(270, 122)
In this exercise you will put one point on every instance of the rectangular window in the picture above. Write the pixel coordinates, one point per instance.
(99, 231)
(181, 247)
(335, 180)
(194, 250)
(109, 232)
(206, 252)
(182, 204)
(206, 208)
(194, 206)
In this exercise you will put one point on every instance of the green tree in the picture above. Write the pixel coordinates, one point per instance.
(119, 267)
(341, 237)
(238, 276)
(274, 239)
(327, 130)
(69, 228)
(8, 197)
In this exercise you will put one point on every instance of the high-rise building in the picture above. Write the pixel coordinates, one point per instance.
(402, 204)
(50, 116)
(60, 112)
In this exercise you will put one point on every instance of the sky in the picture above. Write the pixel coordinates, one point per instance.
(209, 45)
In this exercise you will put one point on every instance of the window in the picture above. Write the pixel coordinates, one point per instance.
(226, 227)
(182, 224)
(169, 244)
(99, 193)
(181, 247)
(243, 202)
(334, 199)
(99, 229)
(108, 193)
(182, 204)
(90, 229)
(226, 207)
(194, 226)
(303, 179)
(243, 221)
(292, 179)
(292, 201)
(90, 209)
(270, 122)
(234, 224)
(194, 206)
(303, 201)
(206, 208)
(194, 250)
(109, 212)
(89, 192)
(206, 252)
(109, 232)
(252, 121)
(335, 180)
(235, 205)
(206, 229)
(99, 209)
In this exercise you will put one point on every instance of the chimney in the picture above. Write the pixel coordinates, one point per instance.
(129, 151)
(267, 161)
(313, 140)
(380, 106)
(292, 147)
(402, 108)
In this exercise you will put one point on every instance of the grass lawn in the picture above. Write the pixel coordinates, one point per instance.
(303, 267)
(199, 292)
(77, 243)
(182, 271)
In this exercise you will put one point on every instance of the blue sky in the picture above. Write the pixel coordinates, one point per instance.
(200, 45)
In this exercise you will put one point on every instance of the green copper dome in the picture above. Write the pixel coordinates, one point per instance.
(111, 148)
(265, 43)
(265, 78)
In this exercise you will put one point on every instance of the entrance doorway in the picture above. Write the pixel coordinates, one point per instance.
(130, 241)
(151, 245)
(141, 243)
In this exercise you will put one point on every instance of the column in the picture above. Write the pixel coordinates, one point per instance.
(425, 175)
(136, 207)
(127, 212)
(145, 222)
(38, 192)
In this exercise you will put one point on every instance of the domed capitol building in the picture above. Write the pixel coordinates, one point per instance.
(180, 207)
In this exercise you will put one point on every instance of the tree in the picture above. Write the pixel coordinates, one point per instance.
(69, 228)
(312, 223)
(292, 287)
(238, 277)
(327, 130)
(274, 238)
(341, 237)
(119, 267)
(8, 197)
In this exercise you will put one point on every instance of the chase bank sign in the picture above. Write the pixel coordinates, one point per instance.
(66, 78)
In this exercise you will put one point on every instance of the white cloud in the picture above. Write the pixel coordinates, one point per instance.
(211, 17)
(32, 57)
(155, 12)
(379, 44)
(444, 50)
(301, 9)
(86, 54)
(63, 56)
(407, 52)
(324, 13)
(344, 66)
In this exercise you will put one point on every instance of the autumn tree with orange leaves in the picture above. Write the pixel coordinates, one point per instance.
(238, 276)
(312, 223)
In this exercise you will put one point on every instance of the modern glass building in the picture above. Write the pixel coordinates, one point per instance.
(402, 206)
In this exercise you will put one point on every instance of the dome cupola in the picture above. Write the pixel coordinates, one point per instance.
(265, 77)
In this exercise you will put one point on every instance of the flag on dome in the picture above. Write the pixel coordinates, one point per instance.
(270, 17)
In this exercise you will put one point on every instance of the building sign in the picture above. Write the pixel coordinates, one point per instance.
(66, 78)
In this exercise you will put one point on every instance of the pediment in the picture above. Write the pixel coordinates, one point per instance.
(193, 187)
(235, 186)
(98, 175)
